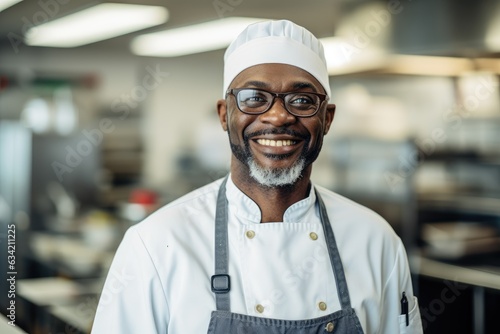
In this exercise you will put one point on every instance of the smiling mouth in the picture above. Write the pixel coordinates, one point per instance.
(272, 142)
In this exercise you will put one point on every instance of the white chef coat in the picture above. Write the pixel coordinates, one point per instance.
(159, 281)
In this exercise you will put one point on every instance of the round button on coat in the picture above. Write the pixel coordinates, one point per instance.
(313, 236)
(322, 306)
(250, 234)
(259, 308)
(330, 327)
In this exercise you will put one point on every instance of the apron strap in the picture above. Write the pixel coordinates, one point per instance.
(221, 283)
(333, 251)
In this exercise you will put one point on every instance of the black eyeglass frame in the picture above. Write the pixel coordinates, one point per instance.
(282, 96)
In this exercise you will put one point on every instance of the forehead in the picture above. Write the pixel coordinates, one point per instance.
(276, 77)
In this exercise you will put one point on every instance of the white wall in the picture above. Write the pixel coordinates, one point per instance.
(171, 114)
(180, 110)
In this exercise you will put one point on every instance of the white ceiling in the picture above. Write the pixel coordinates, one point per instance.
(432, 27)
(319, 16)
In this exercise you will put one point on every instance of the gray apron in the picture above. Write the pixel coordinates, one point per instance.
(222, 321)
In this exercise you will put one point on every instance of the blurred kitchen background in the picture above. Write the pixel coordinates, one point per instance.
(95, 134)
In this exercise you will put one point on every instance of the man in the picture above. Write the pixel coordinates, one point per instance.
(264, 250)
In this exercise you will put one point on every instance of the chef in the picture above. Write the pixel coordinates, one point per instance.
(264, 250)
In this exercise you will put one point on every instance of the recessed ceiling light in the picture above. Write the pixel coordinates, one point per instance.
(4, 4)
(334, 54)
(196, 38)
(96, 23)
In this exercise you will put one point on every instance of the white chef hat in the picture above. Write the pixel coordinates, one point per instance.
(281, 42)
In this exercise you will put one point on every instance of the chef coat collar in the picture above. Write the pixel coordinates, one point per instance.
(244, 207)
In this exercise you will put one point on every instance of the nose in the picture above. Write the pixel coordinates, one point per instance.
(277, 115)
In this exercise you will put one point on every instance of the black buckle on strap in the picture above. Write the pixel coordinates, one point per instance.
(221, 283)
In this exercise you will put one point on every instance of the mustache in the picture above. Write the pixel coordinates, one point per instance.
(276, 131)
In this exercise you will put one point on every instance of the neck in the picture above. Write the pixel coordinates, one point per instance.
(272, 201)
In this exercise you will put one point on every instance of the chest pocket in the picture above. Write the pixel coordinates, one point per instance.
(415, 325)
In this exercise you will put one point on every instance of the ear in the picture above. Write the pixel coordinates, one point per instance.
(222, 111)
(329, 114)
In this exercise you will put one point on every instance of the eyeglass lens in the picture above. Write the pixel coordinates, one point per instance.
(253, 101)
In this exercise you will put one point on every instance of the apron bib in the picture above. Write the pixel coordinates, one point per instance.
(223, 321)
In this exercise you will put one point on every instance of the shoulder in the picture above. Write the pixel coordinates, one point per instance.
(357, 223)
(341, 207)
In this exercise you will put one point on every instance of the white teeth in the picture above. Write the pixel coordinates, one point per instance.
(270, 142)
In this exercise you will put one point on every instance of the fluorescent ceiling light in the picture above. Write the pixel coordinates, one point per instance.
(196, 38)
(342, 58)
(492, 38)
(335, 51)
(4, 4)
(96, 23)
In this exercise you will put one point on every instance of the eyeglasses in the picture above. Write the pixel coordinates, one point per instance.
(257, 101)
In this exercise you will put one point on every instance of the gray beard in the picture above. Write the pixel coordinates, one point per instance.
(276, 177)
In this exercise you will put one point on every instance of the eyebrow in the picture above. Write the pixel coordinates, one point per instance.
(295, 85)
(304, 85)
(256, 84)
